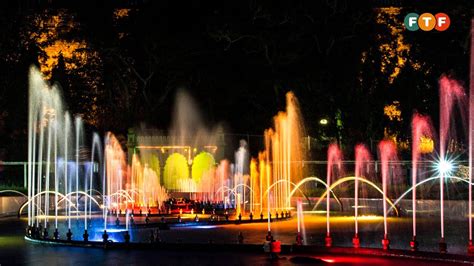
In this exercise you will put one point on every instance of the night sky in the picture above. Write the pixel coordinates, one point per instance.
(120, 64)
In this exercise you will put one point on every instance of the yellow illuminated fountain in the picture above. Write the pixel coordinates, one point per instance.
(67, 179)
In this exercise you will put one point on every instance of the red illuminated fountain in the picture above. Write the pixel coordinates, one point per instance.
(334, 161)
(451, 93)
(421, 129)
(265, 186)
(389, 160)
(362, 159)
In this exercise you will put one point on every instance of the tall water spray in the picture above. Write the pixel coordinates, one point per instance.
(362, 158)
(420, 128)
(388, 154)
(44, 118)
(284, 151)
(301, 237)
(334, 160)
(471, 137)
(52, 138)
(450, 93)
(241, 173)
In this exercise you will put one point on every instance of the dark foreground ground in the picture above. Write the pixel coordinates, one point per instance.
(15, 250)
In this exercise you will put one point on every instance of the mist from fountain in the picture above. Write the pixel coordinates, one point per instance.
(362, 158)
(61, 167)
(334, 162)
(389, 160)
(451, 93)
(420, 128)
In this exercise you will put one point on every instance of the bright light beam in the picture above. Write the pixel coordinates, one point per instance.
(445, 167)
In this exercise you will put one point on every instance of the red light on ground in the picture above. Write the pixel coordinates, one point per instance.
(327, 260)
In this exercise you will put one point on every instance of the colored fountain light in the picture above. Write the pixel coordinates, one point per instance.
(81, 182)
(421, 129)
(444, 166)
(451, 94)
(334, 158)
(388, 155)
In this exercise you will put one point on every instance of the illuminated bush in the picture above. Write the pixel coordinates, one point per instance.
(176, 167)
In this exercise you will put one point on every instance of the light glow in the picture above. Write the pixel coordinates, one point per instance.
(445, 167)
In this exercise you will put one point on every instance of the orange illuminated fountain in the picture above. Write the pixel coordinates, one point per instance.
(145, 186)
(65, 176)
(362, 159)
(116, 173)
(284, 155)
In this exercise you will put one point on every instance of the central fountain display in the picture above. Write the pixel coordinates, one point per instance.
(86, 187)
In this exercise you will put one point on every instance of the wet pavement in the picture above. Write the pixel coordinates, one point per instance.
(15, 250)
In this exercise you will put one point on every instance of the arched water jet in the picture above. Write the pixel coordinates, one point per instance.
(353, 178)
(82, 193)
(308, 179)
(420, 127)
(292, 184)
(425, 181)
(32, 199)
(13, 191)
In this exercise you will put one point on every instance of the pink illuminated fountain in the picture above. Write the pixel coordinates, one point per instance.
(266, 184)
(388, 154)
(334, 160)
(420, 128)
(362, 158)
(471, 137)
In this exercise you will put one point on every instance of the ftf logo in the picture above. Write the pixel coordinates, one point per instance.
(427, 22)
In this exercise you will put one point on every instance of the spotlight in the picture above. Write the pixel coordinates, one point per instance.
(445, 167)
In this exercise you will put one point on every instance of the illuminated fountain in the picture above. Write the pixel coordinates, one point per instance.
(421, 130)
(362, 158)
(241, 177)
(63, 175)
(334, 161)
(301, 236)
(450, 93)
(67, 178)
(388, 155)
(86, 185)
(284, 154)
